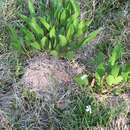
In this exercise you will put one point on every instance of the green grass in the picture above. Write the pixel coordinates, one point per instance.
(78, 118)
(30, 111)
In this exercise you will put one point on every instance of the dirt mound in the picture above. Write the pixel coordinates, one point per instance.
(43, 72)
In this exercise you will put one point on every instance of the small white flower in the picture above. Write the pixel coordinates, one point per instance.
(88, 109)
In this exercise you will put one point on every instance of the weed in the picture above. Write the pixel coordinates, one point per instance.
(59, 32)
(109, 72)
(112, 72)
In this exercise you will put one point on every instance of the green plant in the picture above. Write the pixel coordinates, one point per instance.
(79, 117)
(59, 30)
(81, 80)
(112, 71)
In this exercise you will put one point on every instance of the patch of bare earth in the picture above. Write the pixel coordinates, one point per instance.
(49, 76)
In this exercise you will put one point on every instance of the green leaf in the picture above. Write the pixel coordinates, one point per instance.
(118, 80)
(36, 45)
(45, 23)
(101, 70)
(110, 80)
(125, 76)
(56, 13)
(116, 54)
(29, 36)
(90, 37)
(15, 42)
(44, 41)
(81, 80)
(36, 27)
(62, 40)
(31, 7)
(115, 70)
(59, 15)
(52, 32)
(70, 32)
(75, 22)
(76, 8)
(50, 45)
(63, 16)
(81, 27)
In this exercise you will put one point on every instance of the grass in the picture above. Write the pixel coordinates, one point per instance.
(79, 118)
(32, 112)
(29, 111)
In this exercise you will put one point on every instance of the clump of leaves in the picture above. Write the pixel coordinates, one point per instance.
(58, 30)
(81, 80)
(112, 71)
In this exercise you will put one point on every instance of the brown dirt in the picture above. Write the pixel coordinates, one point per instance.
(44, 72)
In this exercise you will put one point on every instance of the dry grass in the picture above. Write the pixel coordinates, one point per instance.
(27, 110)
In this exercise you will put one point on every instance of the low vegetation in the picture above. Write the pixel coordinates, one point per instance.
(97, 96)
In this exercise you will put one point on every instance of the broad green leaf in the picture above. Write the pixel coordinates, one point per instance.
(72, 20)
(36, 45)
(110, 80)
(36, 27)
(50, 45)
(59, 15)
(125, 76)
(44, 41)
(81, 80)
(116, 54)
(52, 32)
(90, 37)
(63, 16)
(81, 27)
(101, 70)
(62, 40)
(69, 9)
(29, 37)
(76, 8)
(118, 80)
(98, 77)
(75, 22)
(45, 23)
(70, 32)
(31, 7)
(115, 70)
